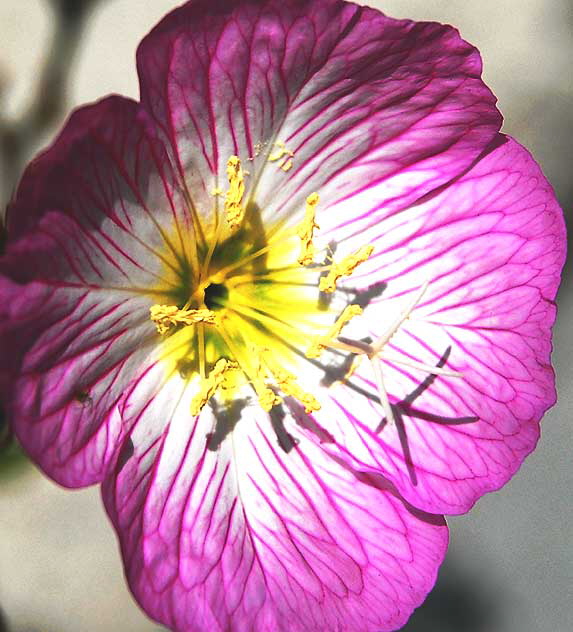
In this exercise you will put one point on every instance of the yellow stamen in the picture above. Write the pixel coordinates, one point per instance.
(216, 379)
(305, 230)
(286, 381)
(344, 268)
(267, 397)
(280, 153)
(167, 316)
(318, 346)
(234, 196)
(254, 372)
(287, 165)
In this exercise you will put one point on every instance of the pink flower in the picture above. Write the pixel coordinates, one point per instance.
(289, 309)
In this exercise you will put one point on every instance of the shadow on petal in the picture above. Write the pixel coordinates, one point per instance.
(286, 441)
(400, 409)
(404, 407)
(227, 418)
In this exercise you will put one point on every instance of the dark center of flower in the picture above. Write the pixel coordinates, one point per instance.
(215, 296)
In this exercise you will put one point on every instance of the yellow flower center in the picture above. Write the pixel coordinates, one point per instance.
(244, 309)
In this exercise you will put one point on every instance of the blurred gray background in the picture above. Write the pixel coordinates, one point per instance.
(510, 565)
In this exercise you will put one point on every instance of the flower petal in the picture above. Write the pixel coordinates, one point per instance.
(492, 246)
(83, 255)
(225, 524)
(91, 209)
(358, 97)
(67, 356)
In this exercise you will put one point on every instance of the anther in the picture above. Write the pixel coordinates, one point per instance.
(216, 379)
(283, 154)
(305, 230)
(286, 382)
(267, 397)
(234, 196)
(167, 316)
(344, 268)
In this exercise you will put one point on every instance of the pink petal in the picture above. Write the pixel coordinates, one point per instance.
(67, 356)
(232, 531)
(93, 209)
(357, 96)
(84, 234)
(492, 246)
